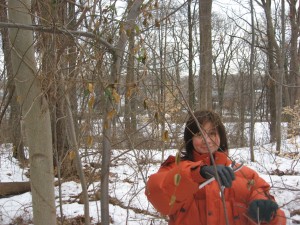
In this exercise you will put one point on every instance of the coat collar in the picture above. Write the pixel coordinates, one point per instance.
(219, 157)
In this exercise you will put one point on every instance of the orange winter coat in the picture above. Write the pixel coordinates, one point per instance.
(194, 206)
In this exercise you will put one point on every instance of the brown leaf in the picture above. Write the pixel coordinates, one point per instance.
(89, 141)
(111, 114)
(72, 155)
(129, 92)
(116, 96)
(91, 102)
(106, 125)
(156, 117)
(145, 104)
(165, 136)
(157, 23)
(91, 87)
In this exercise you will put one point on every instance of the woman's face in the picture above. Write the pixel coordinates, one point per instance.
(211, 135)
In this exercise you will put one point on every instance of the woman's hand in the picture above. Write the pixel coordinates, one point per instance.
(225, 174)
(262, 210)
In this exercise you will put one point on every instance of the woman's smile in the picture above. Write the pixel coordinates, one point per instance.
(207, 139)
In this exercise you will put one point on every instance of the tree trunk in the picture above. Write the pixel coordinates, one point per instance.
(14, 188)
(191, 75)
(75, 146)
(34, 108)
(205, 87)
(241, 124)
(53, 58)
(271, 86)
(129, 114)
(252, 93)
(293, 78)
(14, 120)
(274, 48)
(133, 13)
(294, 75)
(71, 62)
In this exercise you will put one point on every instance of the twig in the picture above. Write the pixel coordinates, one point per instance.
(213, 178)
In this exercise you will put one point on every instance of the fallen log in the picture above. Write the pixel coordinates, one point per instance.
(14, 188)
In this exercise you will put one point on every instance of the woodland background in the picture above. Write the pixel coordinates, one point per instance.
(82, 74)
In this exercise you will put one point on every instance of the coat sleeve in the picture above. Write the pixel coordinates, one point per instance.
(260, 189)
(161, 188)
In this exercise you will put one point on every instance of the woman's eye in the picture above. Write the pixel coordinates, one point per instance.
(212, 134)
(198, 135)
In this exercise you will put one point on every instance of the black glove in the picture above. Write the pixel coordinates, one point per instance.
(225, 173)
(265, 208)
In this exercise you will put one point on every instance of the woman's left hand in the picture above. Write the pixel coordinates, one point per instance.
(225, 174)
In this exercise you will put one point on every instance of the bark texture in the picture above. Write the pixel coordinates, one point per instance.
(14, 188)
(35, 114)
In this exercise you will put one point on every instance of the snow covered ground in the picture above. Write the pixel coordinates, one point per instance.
(127, 181)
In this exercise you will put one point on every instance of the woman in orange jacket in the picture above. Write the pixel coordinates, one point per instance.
(236, 194)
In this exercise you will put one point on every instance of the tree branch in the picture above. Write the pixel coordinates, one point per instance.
(58, 30)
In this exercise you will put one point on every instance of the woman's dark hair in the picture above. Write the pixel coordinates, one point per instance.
(191, 129)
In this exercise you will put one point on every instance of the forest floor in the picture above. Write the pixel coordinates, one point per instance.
(129, 171)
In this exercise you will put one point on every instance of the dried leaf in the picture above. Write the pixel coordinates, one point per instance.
(97, 25)
(144, 58)
(165, 136)
(177, 158)
(145, 104)
(156, 117)
(157, 23)
(111, 114)
(19, 98)
(145, 22)
(106, 124)
(128, 32)
(89, 141)
(72, 155)
(91, 102)
(129, 92)
(121, 28)
(116, 96)
(137, 29)
(91, 87)
(177, 179)
(172, 200)
(136, 49)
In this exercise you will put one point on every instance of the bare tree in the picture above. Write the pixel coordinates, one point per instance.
(276, 62)
(130, 101)
(225, 47)
(252, 94)
(191, 56)
(293, 80)
(34, 107)
(54, 64)
(205, 76)
(133, 12)
(11, 98)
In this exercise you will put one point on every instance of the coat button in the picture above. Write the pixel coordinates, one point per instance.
(209, 213)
